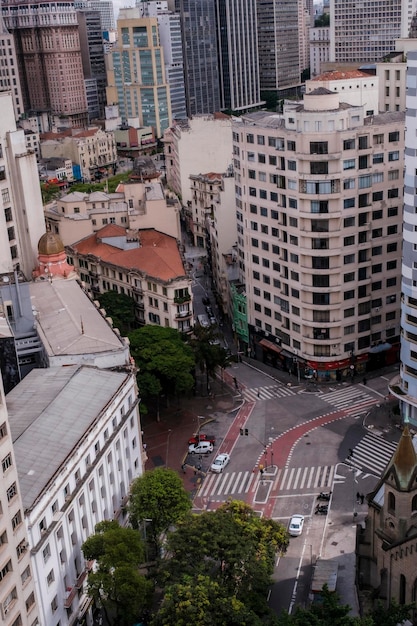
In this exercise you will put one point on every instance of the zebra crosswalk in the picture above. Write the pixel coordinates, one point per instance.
(286, 479)
(372, 454)
(267, 392)
(355, 399)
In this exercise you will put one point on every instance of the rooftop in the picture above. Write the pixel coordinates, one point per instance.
(157, 256)
(50, 412)
(69, 323)
(340, 75)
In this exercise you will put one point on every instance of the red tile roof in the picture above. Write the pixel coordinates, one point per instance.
(158, 255)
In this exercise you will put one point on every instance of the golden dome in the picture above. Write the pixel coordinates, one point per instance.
(50, 243)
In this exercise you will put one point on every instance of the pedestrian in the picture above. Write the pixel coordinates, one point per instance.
(183, 468)
(259, 393)
(364, 380)
(362, 498)
(358, 496)
(235, 381)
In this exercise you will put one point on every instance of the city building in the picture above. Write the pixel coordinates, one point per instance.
(392, 74)
(49, 57)
(21, 220)
(201, 144)
(86, 422)
(170, 36)
(386, 546)
(201, 58)
(136, 72)
(237, 31)
(146, 265)
(104, 7)
(279, 53)
(18, 603)
(213, 225)
(319, 49)
(135, 205)
(368, 35)
(355, 87)
(319, 209)
(405, 388)
(9, 74)
(92, 54)
(92, 151)
(57, 168)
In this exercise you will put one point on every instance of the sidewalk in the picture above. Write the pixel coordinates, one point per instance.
(166, 440)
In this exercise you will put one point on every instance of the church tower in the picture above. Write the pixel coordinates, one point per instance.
(387, 547)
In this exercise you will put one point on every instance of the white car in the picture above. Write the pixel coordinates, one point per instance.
(296, 525)
(203, 447)
(220, 462)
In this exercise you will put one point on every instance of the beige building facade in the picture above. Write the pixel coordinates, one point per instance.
(200, 144)
(134, 205)
(92, 149)
(319, 209)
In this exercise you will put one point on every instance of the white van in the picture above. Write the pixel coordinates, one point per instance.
(203, 320)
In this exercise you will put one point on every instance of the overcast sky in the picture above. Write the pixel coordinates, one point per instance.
(118, 4)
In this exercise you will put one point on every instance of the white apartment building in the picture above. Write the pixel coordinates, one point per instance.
(354, 87)
(92, 149)
(9, 73)
(17, 591)
(145, 265)
(135, 205)
(368, 35)
(319, 48)
(21, 220)
(201, 144)
(85, 422)
(319, 207)
(405, 388)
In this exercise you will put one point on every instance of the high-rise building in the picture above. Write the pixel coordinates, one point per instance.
(104, 7)
(201, 68)
(18, 603)
(170, 36)
(238, 54)
(319, 201)
(406, 388)
(136, 73)
(279, 46)
(368, 34)
(49, 57)
(21, 219)
(92, 54)
(9, 75)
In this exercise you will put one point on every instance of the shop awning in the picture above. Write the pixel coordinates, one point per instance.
(269, 345)
(382, 347)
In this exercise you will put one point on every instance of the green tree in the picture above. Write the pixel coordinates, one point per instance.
(208, 353)
(200, 601)
(49, 192)
(164, 360)
(328, 612)
(117, 585)
(120, 308)
(233, 546)
(322, 20)
(157, 501)
(391, 616)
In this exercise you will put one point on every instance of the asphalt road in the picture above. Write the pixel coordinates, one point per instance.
(303, 440)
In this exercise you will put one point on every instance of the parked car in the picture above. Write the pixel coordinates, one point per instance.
(203, 447)
(296, 525)
(202, 437)
(220, 462)
(203, 320)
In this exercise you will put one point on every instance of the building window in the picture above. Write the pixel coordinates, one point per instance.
(11, 492)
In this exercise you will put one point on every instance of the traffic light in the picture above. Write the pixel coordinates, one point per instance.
(246, 432)
(241, 431)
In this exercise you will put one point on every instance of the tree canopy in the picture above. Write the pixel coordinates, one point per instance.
(164, 360)
(233, 547)
(208, 353)
(158, 499)
(120, 308)
(117, 585)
